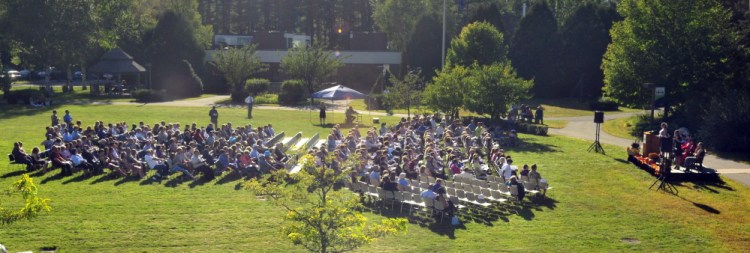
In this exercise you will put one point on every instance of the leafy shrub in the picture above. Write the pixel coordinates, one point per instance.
(604, 104)
(146, 96)
(257, 86)
(292, 92)
(21, 96)
(267, 99)
(724, 119)
(239, 95)
(532, 129)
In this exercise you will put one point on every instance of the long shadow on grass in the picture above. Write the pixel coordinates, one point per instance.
(200, 181)
(108, 177)
(14, 174)
(79, 178)
(14, 111)
(53, 178)
(232, 176)
(526, 145)
(127, 179)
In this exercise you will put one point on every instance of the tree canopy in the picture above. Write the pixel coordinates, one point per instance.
(320, 216)
(237, 65)
(312, 64)
(478, 42)
(681, 45)
(405, 92)
(492, 88)
(441, 94)
(535, 50)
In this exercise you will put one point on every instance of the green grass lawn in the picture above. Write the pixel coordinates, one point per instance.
(596, 202)
(567, 107)
(552, 108)
(621, 127)
(558, 124)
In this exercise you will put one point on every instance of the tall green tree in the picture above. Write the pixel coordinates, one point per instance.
(492, 88)
(535, 51)
(681, 45)
(490, 13)
(237, 65)
(397, 19)
(424, 47)
(173, 40)
(441, 94)
(478, 42)
(585, 37)
(405, 92)
(320, 216)
(312, 64)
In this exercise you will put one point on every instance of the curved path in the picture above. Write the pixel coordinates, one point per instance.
(581, 127)
(584, 128)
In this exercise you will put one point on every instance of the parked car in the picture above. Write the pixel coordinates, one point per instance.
(24, 73)
(14, 75)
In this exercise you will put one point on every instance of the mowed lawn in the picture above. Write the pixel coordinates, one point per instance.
(598, 203)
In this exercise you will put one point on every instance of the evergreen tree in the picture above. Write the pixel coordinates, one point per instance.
(535, 51)
(585, 38)
(173, 41)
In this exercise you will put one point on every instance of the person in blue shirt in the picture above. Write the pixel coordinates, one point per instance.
(68, 118)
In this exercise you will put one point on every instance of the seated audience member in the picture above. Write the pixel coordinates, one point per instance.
(388, 185)
(155, 163)
(403, 183)
(428, 193)
(448, 206)
(36, 159)
(79, 162)
(695, 156)
(438, 185)
(58, 161)
(466, 173)
(534, 177)
(519, 186)
(21, 156)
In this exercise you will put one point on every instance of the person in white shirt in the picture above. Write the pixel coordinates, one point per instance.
(79, 162)
(157, 164)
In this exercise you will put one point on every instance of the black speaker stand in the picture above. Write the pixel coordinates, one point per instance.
(663, 179)
(597, 146)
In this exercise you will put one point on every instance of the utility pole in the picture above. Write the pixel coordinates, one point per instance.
(442, 49)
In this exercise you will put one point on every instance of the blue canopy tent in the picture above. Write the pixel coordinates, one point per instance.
(338, 92)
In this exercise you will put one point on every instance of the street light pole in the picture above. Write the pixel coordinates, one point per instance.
(442, 49)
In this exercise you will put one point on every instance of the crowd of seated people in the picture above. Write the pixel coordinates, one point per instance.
(167, 148)
(420, 147)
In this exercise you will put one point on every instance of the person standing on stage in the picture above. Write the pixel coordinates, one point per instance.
(666, 140)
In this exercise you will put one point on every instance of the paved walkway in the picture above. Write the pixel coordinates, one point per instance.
(581, 127)
(584, 128)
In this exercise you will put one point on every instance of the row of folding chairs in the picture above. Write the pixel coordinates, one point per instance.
(412, 198)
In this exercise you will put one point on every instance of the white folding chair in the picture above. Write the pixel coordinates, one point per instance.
(439, 207)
